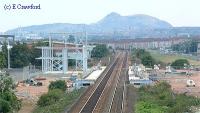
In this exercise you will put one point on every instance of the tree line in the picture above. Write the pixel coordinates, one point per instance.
(144, 57)
(21, 55)
(187, 47)
(99, 51)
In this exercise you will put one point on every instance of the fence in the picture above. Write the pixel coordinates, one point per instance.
(19, 74)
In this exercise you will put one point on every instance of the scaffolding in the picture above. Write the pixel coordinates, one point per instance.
(55, 58)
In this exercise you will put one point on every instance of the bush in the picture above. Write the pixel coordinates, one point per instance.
(12, 99)
(59, 84)
(59, 106)
(8, 100)
(4, 106)
(179, 64)
(50, 98)
(146, 107)
(161, 99)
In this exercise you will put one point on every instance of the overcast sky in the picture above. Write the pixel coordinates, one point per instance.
(176, 12)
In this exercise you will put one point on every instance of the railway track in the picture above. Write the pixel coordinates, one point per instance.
(104, 101)
(99, 95)
(119, 97)
(91, 103)
(79, 106)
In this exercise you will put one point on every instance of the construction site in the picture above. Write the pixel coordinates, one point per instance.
(31, 81)
(182, 81)
(109, 82)
(103, 56)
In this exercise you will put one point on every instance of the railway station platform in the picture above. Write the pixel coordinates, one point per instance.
(95, 74)
(90, 79)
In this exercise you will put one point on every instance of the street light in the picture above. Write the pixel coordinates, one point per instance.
(8, 47)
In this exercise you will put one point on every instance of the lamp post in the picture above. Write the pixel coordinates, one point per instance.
(8, 47)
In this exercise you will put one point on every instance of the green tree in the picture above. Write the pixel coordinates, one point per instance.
(99, 51)
(139, 53)
(59, 84)
(148, 61)
(71, 62)
(5, 53)
(8, 100)
(71, 39)
(6, 83)
(36, 53)
(186, 47)
(180, 63)
(192, 47)
(145, 57)
(2, 60)
(20, 55)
